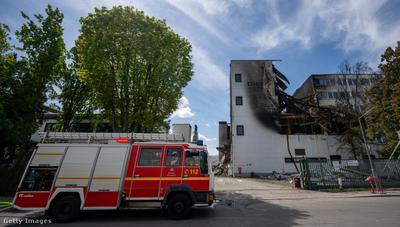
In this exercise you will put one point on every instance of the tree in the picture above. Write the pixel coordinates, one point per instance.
(384, 100)
(74, 97)
(348, 102)
(7, 61)
(25, 82)
(44, 50)
(135, 67)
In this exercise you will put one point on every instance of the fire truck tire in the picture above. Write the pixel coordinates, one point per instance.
(179, 206)
(65, 209)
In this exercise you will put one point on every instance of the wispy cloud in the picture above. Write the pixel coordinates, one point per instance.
(200, 11)
(208, 74)
(184, 110)
(353, 25)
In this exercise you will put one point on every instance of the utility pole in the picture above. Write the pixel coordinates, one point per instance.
(367, 147)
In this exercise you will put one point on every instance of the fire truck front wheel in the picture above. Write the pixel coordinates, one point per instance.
(179, 206)
(65, 209)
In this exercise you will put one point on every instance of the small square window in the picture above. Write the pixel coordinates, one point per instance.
(240, 130)
(300, 151)
(239, 100)
(335, 157)
(238, 77)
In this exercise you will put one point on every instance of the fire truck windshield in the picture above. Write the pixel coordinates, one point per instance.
(197, 158)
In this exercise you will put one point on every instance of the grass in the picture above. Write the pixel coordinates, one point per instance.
(5, 204)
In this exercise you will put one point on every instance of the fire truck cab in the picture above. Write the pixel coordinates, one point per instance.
(116, 172)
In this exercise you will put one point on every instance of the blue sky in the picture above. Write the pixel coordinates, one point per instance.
(308, 36)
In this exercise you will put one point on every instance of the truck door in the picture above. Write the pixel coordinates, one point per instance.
(195, 170)
(147, 173)
(34, 189)
(172, 168)
(106, 180)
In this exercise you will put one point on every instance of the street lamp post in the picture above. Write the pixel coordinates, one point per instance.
(367, 147)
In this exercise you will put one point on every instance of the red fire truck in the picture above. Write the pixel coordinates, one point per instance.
(115, 171)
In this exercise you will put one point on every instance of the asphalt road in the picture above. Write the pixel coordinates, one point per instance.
(244, 204)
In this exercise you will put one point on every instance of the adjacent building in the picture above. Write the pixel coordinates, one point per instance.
(326, 90)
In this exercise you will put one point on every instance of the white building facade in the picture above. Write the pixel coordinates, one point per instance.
(257, 146)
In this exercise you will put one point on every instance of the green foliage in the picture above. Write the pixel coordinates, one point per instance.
(384, 100)
(25, 82)
(135, 67)
(44, 50)
(74, 97)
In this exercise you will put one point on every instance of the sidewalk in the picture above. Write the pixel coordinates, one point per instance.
(264, 190)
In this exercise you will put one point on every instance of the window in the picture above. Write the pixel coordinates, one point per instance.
(366, 156)
(240, 130)
(150, 157)
(291, 160)
(300, 152)
(333, 82)
(342, 94)
(332, 95)
(335, 157)
(38, 179)
(342, 81)
(197, 158)
(323, 82)
(238, 77)
(350, 81)
(173, 157)
(317, 159)
(323, 95)
(239, 100)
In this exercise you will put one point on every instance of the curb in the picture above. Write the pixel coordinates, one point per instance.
(6, 208)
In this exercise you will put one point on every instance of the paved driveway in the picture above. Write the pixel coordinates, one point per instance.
(250, 202)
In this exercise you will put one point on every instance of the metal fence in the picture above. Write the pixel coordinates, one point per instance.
(352, 173)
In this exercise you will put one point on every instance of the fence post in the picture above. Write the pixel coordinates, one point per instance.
(308, 177)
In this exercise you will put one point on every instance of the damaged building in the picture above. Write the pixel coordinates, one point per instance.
(269, 130)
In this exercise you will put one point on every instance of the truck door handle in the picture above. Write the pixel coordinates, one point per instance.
(185, 176)
(136, 176)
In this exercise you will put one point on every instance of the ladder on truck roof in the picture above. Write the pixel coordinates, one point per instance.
(107, 137)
